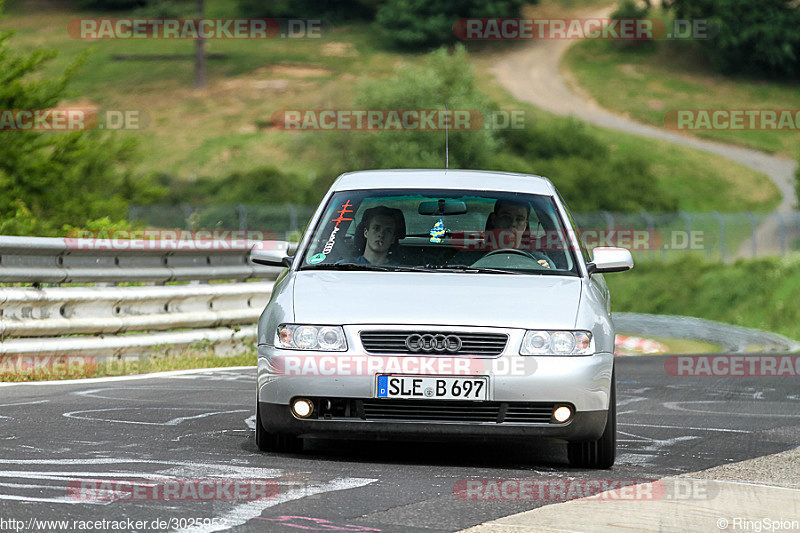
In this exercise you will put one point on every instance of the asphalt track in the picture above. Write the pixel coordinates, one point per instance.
(198, 426)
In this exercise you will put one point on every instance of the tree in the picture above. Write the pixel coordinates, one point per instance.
(754, 38)
(52, 179)
(421, 24)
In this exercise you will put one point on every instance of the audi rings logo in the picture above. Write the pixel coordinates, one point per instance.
(433, 343)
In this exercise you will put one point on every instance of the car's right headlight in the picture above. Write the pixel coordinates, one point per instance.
(538, 342)
(307, 337)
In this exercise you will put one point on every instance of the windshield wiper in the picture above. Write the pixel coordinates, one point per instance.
(467, 268)
(360, 266)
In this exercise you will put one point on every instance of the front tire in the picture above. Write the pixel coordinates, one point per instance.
(274, 442)
(601, 452)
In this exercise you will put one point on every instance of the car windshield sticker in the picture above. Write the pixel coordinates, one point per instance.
(346, 208)
(437, 231)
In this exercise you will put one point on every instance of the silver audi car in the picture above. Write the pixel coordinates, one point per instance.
(440, 304)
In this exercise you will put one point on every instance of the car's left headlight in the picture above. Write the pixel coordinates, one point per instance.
(307, 337)
(538, 342)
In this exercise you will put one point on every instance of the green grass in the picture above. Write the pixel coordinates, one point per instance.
(225, 127)
(702, 182)
(760, 294)
(200, 356)
(645, 84)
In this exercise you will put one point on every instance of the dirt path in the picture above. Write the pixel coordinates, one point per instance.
(533, 74)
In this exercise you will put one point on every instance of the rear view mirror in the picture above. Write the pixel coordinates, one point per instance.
(609, 259)
(442, 207)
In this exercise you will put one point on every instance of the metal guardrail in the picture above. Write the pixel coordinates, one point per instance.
(67, 260)
(113, 321)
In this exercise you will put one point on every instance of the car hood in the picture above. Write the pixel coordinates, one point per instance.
(502, 300)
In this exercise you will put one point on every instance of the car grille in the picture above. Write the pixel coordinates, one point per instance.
(394, 342)
(457, 411)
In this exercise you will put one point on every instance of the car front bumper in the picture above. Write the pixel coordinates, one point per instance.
(581, 382)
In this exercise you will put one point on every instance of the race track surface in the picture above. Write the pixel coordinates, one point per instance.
(198, 426)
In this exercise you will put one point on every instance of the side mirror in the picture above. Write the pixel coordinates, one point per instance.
(610, 260)
(273, 253)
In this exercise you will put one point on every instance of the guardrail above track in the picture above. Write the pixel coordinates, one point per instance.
(105, 321)
(75, 260)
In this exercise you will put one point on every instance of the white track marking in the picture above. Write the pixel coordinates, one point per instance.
(172, 422)
(95, 393)
(676, 406)
(683, 427)
(110, 379)
(166, 470)
(248, 511)
(22, 403)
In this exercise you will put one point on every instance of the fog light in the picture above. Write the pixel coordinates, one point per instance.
(562, 414)
(302, 408)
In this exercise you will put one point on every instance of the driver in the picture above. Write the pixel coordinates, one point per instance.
(380, 231)
(512, 216)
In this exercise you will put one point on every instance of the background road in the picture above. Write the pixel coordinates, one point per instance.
(532, 73)
(198, 426)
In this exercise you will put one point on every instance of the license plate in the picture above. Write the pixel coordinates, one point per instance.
(432, 388)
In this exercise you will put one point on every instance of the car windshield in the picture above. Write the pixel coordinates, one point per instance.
(441, 231)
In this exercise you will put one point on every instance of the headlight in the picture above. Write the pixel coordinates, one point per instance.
(556, 343)
(303, 337)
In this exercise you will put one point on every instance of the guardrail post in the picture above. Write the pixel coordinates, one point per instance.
(609, 218)
(187, 215)
(721, 235)
(241, 212)
(753, 231)
(685, 216)
(651, 228)
(292, 219)
(781, 232)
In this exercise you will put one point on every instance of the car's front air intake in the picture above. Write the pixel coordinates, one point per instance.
(433, 342)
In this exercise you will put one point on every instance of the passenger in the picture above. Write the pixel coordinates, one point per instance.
(381, 231)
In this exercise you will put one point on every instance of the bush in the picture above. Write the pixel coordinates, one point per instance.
(443, 78)
(264, 185)
(797, 182)
(589, 177)
(753, 38)
(567, 138)
(337, 10)
(111, 5)
(420, 24)
(629, 10)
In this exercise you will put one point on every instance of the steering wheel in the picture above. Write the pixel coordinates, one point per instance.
(517, 252)
(509, 251)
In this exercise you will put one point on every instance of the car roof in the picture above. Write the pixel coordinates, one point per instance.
(444, 179)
